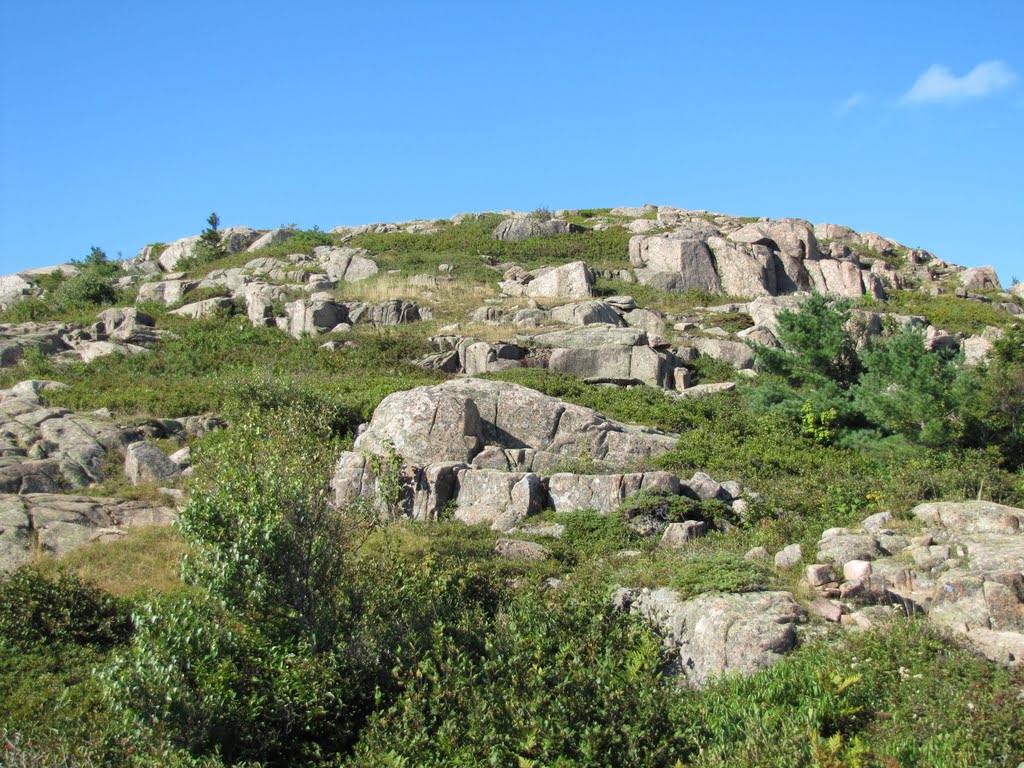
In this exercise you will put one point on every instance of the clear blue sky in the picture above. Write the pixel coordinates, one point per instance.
(125, 123)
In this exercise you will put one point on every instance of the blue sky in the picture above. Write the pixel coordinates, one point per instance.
(124, 123)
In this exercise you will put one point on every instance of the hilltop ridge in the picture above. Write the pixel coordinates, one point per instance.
(626, 471)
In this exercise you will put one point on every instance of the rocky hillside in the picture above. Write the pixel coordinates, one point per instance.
(752, 450)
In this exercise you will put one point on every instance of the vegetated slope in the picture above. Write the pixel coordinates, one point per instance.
(301, 633)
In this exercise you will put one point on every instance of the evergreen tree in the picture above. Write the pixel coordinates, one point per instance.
(912, 391)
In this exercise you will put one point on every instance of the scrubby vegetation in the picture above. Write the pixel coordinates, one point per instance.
(270, 628)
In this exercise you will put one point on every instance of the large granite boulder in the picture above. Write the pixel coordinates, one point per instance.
(316, 315)
(570, 281)
(345, 265)
(126, 324)
(424, 425)
(273, 237)
(146, 463)
(671, 263)
(971, 516)
(501, 500)
(48, 338)
(12, 289)
(205, 308)
(604, 493)
(166, 291)
(586, 313)
(177, 252)
(429, 424)
(237, 239)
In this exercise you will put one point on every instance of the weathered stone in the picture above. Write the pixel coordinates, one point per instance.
(970, 516)
(680, 534)
(313, 316)
(820, 575)
(705, 487)
(500, 499)
(207, 308)
(387, 313)
(674, 264)
(756, 553)
(735, 353)
(166, 291)
(237, 239)
(586, 313)
(745, 269)
(90, 350)
(273, 237)
(177, 252)
(703, 390)
(647, 319)
(980, 279)
(127, 324)
(830, 610)
(513, 549)
(518, 229)
(59, 523)
(591, 337)
(603, 493)
(856, 570)
(145, 463)
(789, 557)
(31, 476)
(569, 281)
(877, 522)
(12, 289)
(844, 548)
(424, 425)
(346, 264)
(259, 302)
(713, 635)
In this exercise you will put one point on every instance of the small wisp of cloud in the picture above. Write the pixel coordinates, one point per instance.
(938, 85)
(851, 103)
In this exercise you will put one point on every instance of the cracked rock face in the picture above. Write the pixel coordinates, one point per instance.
(47, 449)
(712, 635)
(965, 572)
(481, 447)
(438, 423)
(56, 524)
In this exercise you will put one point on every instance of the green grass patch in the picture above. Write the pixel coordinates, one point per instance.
(947, 312)
(145, 558)
(464, 243)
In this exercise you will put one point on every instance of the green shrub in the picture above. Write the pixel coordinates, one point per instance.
(947, 312)
(42, 610)
(197, 678)
(897, 695)
(262, 533)
(561, 679)
(669, 508)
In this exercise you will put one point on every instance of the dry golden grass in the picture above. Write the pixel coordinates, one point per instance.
(145, 558)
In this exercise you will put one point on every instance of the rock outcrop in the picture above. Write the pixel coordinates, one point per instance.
(56, 524)
(569, 281)
(712, 635)
(487, 447)
(965, 572)
(763, 258)
(526, 227)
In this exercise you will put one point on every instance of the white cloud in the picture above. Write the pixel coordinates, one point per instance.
(851, 103)
(938, 84)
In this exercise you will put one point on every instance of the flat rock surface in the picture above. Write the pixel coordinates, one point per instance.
(55, 523)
